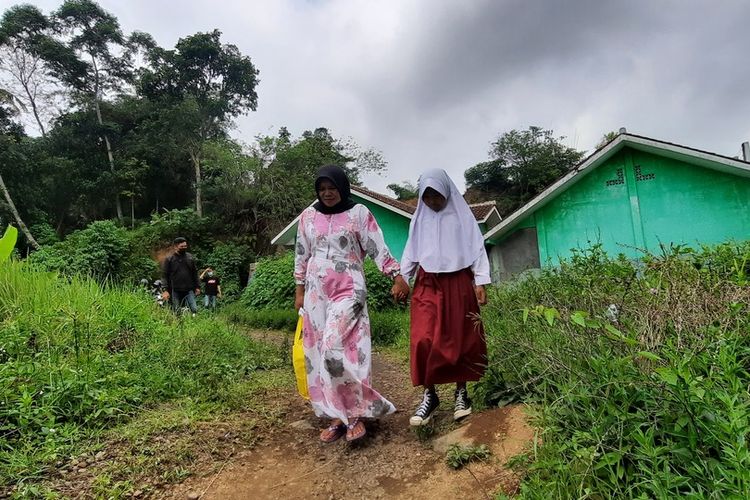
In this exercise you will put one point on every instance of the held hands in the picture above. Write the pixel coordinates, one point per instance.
(400, 290)
(165, 295)
(197, 291)
(481, 295)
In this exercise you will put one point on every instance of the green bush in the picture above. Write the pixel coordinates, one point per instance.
(231, 261)
(96, 251)
(273, 286)
(165, 227)
(389, 327)
(639, 370)
(386, 327)
(76, 357)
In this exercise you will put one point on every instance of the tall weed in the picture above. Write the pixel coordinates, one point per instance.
(76, 356)
(639, 369)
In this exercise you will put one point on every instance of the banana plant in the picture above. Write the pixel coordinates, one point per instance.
(8, 243)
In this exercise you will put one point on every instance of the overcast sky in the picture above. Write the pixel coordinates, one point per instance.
(431, 83)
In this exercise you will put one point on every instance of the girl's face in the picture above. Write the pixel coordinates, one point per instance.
(328, 193)
(434, 200)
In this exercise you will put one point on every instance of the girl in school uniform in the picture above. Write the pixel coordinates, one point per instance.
(446, 251)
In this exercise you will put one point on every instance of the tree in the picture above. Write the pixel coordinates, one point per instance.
(522, 163)
(207, 84)
(23, 29)
(10, 134)
(606, 138)
(404, 191)
(93, 35)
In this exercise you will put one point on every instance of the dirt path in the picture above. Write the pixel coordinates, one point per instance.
(392, 462)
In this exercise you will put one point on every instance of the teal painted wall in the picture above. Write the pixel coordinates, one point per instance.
(636, 200)
(395, 227)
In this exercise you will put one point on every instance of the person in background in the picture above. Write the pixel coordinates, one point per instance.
(212, 287)
(181, 278)
(446, 251)
(333, 238)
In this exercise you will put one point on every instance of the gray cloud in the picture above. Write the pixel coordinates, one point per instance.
(432, 83)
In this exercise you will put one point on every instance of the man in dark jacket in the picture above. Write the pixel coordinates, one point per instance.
(181, 277)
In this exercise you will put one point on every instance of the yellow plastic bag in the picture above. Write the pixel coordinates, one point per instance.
(298, 360)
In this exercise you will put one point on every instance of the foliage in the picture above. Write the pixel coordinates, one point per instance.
(272, 285)
(270, 319)
(640, 369)
(404, 191)
(386, 327)
(231, 262)
(459, 455)
(76, 358)
(389, 327)
(97, 251)
(8, 243)
(522, 163)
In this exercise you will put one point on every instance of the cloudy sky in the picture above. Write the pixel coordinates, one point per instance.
(431, 83)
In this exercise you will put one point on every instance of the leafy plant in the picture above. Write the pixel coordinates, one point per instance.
(639, 371)
(8, 243)
(459, 455)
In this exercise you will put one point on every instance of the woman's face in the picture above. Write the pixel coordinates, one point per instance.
(434, 200)
(328, 193)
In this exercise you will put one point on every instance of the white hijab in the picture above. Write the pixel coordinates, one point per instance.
(444, 241)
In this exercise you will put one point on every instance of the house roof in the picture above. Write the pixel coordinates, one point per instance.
(481, 211)
(385, 201)
(675, 151)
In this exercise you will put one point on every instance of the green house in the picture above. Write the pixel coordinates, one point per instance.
(632, 195)
(394, 217)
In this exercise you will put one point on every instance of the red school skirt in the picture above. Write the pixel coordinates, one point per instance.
(447, 336)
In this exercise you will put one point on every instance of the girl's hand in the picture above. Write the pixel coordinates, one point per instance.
(481, 295)
(299, 297)
(400, 290)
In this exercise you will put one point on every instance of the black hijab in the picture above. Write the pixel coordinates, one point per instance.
(339, 179)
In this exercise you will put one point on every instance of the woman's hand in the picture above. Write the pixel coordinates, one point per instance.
(481, 295)
(299, 297)
(400, 290)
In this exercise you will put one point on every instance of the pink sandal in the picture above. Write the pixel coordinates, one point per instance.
(352, 434)
(333, 432)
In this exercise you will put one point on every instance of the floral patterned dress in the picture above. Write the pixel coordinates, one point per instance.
(329, 261)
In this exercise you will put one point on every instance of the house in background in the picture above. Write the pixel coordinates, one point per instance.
(631, 195)
(394, 217)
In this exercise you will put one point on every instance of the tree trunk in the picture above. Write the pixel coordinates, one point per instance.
(17, 216)
(198, 196)
(132, 212)
(111, 158)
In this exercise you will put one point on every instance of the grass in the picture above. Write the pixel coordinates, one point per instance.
(388, 328)
(639, 371)
(78, 359)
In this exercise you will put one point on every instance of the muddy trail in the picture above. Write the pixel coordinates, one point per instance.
(393, 461)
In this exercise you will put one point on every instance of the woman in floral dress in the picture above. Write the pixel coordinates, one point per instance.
(333, 238)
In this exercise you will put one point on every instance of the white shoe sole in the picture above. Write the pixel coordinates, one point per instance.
(418, 421)
(459, 414)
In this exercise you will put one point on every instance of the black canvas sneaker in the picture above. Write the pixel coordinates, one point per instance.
(429, 404)
(463, 405)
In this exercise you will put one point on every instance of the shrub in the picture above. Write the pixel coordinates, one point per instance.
(231, 262)
(273, 286)
(95, 251)
(640, 369)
